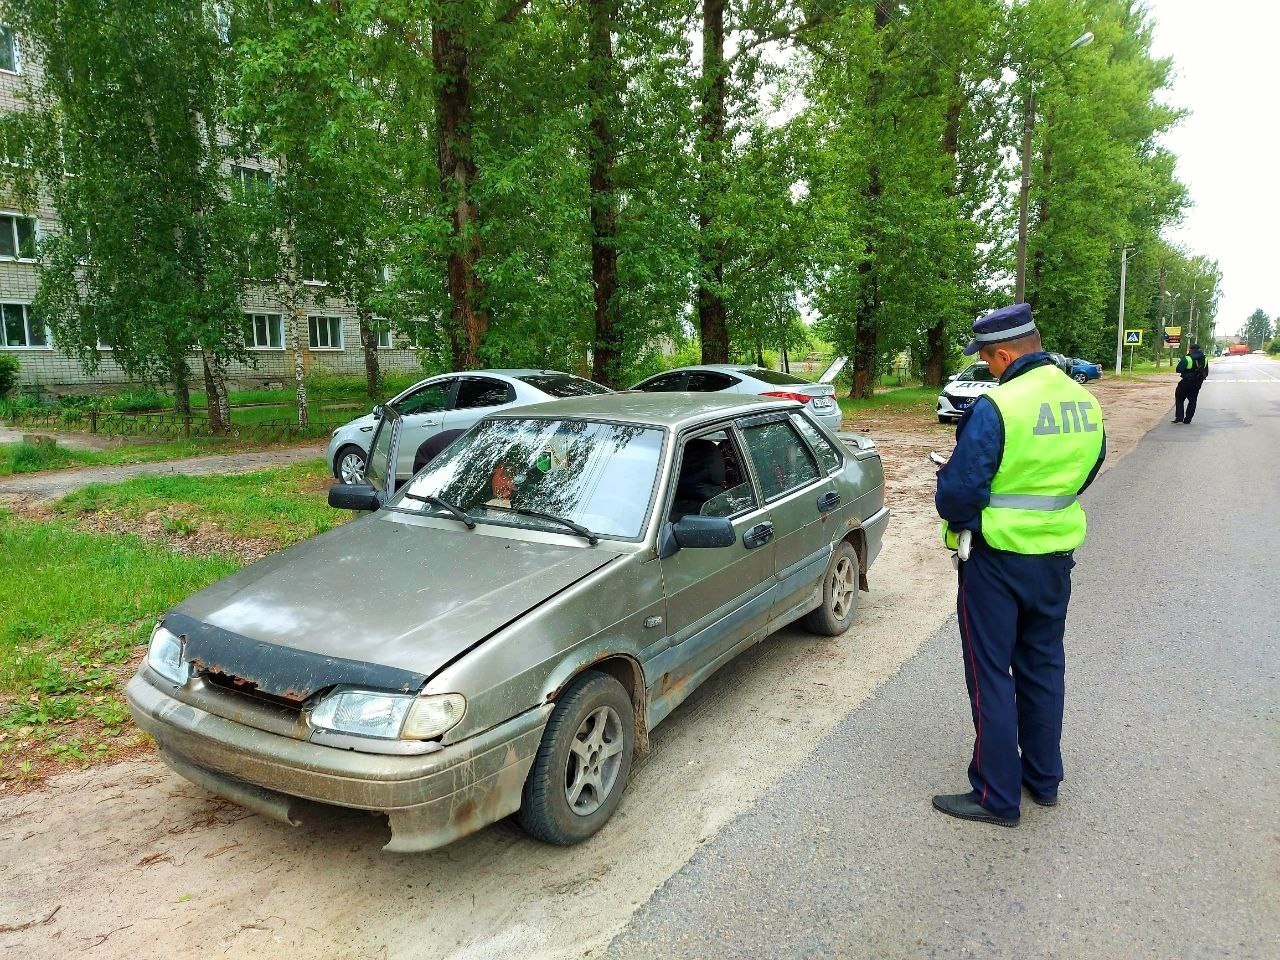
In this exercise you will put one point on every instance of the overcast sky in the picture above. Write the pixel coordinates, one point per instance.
(1229, 147)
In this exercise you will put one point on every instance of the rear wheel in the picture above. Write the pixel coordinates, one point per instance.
(348, 465)
(942, 419)
(1080, 377)
(582, 765)
(839, 594)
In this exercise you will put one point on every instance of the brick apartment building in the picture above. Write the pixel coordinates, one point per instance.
(333, 335)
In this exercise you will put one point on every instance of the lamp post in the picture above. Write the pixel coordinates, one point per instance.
(1024, 194)
(1124, 263)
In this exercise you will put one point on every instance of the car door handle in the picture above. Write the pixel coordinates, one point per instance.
(758, 535)
(829, 501)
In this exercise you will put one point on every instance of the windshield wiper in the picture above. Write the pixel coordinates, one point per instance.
(577, 528)
(445, 505)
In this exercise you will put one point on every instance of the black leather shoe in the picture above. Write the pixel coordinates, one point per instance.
(1175, 421)
(963, 805)
(1042, 799)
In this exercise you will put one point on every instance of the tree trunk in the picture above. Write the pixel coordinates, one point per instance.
(181, 387)
(712, 315)
(369, 345)
(457, 170)
(935, 361)
(1042, 217)
(215, 392)
(866, 336)
(297, 325)
(607, 353)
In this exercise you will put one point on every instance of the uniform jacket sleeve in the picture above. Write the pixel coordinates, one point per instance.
(1102, 455)
(964, 484)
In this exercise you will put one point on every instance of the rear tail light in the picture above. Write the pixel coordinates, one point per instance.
(787, 395)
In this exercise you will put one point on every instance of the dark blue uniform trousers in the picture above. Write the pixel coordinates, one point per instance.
(1013, 613)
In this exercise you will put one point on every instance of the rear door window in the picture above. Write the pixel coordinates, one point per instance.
(827, 454)
(482, 392)
(429, 398)
(709, 381)
(664, 383)
(782, 461)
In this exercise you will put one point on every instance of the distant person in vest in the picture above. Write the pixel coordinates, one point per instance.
(1024, 452)
(1194, 370)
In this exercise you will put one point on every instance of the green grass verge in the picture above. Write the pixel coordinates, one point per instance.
(283, 505)
(78, 608)
(30, 457)
(900, 399)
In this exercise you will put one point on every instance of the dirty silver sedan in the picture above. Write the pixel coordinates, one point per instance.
(502, 632)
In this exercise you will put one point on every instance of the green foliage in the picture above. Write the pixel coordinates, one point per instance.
(8, 373)
(1257, 329)
(31, 457)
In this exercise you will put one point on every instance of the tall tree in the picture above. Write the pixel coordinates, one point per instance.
(121, 130)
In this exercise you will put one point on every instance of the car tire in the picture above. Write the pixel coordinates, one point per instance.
(1080, 377)
(594, 713)
(354, 453)
(942, 419)
(839, 594)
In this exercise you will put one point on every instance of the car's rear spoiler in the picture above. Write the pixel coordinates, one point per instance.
(860, 445)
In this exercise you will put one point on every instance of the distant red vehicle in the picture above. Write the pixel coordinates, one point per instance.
(1236, 349)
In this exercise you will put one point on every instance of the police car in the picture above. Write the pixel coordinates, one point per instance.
(962, 391)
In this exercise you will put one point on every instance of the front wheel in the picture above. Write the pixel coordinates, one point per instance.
(1080, 377)
(839, 594)
(582, 765)
(348, 465)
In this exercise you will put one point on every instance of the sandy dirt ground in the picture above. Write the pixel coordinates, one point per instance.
(129, 860)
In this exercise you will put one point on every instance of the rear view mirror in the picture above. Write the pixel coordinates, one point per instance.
(353, 496)
(698, 531)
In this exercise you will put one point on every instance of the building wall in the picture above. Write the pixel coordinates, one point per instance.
(58, 372)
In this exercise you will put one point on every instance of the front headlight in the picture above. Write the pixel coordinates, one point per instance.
(164, 656)
(388, 716)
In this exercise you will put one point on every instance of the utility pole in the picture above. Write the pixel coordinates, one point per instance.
(1124, 264)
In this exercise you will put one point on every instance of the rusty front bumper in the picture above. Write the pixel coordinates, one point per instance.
(430, 799)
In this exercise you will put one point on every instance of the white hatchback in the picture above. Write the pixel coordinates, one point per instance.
(963, 390)
(435, 411)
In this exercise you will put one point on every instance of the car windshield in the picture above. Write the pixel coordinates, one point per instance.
(978, 372)
(597, 475)
(775, 377)
(563, 385)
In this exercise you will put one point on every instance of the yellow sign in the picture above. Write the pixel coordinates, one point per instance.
(1133, 338)
(1173, 331)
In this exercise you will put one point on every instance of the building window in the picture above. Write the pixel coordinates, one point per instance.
(325, 333)
(383, 329)
(17, 237)
(10, 56)
(264, 331)
(314, 271)
(20, 328)
(251, 179)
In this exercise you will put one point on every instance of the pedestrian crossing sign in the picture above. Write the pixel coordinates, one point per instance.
(1133, 338)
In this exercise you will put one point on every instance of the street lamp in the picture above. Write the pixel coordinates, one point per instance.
(1028, 128)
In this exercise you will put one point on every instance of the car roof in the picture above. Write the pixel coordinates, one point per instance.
(726, 367)
(673, 410)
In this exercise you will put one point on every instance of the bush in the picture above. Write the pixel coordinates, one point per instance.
(8, 373)
(138, 401)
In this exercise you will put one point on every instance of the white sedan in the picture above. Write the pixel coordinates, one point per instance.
(744, 378)
(436, 410)
(963, 389)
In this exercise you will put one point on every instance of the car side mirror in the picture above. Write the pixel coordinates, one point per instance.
(696, 532)
(952, 377)
(353, 496)
(377, 412)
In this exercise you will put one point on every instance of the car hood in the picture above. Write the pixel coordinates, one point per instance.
(380, 591)
(969, 388)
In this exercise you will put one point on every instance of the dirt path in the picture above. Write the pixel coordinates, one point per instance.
(137, 862)
(51, 484)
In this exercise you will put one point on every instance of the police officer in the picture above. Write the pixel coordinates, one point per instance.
(1193, 370)
(1023, 453)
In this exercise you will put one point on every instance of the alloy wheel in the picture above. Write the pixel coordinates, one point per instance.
(844, 588)
(595, 756)
(351, 467)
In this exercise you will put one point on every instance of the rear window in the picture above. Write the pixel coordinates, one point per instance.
(978, 373)
(563, 385)
(775, 377)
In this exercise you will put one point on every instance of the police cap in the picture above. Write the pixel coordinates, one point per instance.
(1007, 323)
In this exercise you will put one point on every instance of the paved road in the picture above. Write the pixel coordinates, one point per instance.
(1165, 842)
(52, 484)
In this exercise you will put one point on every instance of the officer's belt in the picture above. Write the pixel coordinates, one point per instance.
(1029, 501)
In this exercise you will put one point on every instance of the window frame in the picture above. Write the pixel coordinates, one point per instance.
(26, 329)
(509, 396)
(252, 318)
(16, 47)
(733, 432)
(840, 459)
(330, 318)
(250, 179)
(14, 216)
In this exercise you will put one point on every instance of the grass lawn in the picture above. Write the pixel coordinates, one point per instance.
(923, 400)
(30, 457)
(282, 505)
(78, 611)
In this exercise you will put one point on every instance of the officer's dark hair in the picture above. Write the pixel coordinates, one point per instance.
(1031, 343)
